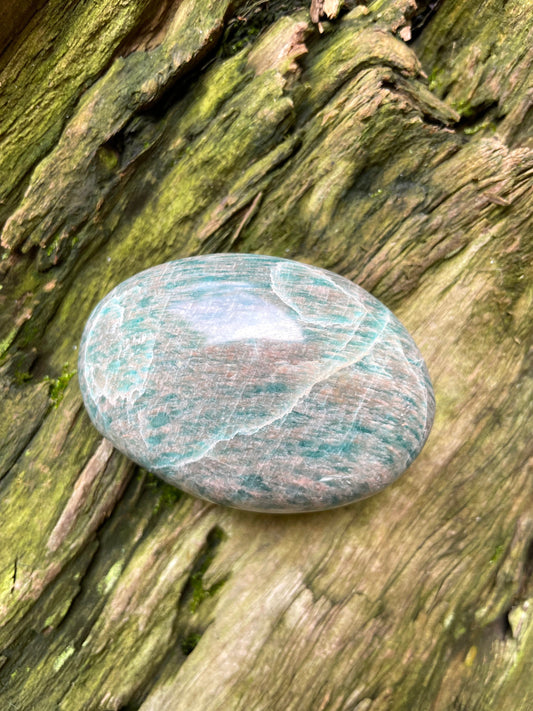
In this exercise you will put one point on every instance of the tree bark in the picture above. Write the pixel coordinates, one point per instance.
(392, 144)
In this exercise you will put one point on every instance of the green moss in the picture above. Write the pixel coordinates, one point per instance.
(113, 574)
(198, 592)
(189, 642)
(22, 377)
(7, 341)
(170, 495)
(53, 246)
(108, 158)
(30, 332)
(434, 80)
(471, 130)
(59, 613)
(167, 495)
(63, 657)
(41, 93)
(498, 552)
(28, 281)
(464, 107)
(58, 385)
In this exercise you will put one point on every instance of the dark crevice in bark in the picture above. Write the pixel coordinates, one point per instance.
(189, 641)
(16, 16)
(425, 12)
(483, 112)
(194, 593)
(251, 19)
(149, 28)
(504, 626)
(526, 585)
(178, 86)
(428, 117)
(306, 112)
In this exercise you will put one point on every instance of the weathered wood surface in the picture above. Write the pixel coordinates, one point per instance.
(136, 132)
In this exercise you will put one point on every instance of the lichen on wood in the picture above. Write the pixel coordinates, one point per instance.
(135, 135)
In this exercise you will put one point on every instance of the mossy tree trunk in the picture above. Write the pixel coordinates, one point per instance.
(392, 145)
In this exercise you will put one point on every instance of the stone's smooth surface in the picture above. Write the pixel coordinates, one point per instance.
(256, 382)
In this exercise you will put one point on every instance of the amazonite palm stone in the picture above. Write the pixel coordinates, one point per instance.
(256, 382)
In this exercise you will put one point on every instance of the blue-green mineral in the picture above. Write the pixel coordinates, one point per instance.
(256, 382)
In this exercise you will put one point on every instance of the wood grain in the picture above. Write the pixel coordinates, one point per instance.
(406, 167)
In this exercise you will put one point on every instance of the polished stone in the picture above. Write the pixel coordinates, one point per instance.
(256, 382)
